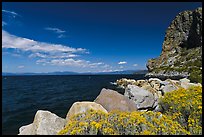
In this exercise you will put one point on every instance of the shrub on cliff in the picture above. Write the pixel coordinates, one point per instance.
(185, 106)
(122, 123)
(196, 76)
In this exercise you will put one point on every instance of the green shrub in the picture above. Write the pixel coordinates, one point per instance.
(196, 75)
(185, 106)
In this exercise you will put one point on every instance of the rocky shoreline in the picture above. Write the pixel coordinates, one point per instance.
(171, 75)
(140, 95)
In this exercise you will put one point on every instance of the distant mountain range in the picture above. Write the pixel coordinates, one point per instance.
(76, 73)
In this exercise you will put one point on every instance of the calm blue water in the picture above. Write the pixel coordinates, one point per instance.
(23, 95)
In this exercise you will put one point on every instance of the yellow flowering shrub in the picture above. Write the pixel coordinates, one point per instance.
(185, 106)
(122, 123)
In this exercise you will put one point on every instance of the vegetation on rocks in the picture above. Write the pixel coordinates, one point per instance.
(185, 106)
(122, 123)
(182, 115)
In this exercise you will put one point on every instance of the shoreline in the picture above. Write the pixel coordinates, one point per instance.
(152, 89)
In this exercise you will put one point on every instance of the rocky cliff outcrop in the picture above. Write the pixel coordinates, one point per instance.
(181, 54)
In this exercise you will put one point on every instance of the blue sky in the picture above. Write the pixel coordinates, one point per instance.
(84, 37)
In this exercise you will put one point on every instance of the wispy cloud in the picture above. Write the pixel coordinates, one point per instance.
(50, 54)
(14, 14)
(4, 23)
(95, 65)
(20, 67)
(24, 44)
(44, 55)
(56, 30)
(122, 62)
(70, 62)
(135, 65)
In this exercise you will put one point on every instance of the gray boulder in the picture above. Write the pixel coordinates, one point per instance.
(112, 100)
(45, 123)
(168, 88)
(142, 98)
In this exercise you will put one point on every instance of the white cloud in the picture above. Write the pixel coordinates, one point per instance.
(24, 44)
(21, 67)
(56, 30)
(4, 23)
(69, 62)
(122, 62)
(61, 55)
(50, 54)
(135, 65)
(95, 65)
(11, 12)
(44, 61)
(72, 62)
(64, 62)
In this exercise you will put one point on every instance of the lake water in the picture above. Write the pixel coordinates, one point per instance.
(22, 96)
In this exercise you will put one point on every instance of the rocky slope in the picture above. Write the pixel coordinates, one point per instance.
(181, 54)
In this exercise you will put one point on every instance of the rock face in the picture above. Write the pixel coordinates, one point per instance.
(182, 48)
(143, 99)
(112, 100)
(45, 123)
(80, 107)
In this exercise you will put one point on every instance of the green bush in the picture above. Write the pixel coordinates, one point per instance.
(196, 76)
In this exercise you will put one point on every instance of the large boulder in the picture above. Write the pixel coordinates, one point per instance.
(144, 100)
(45, 123)
(81, 107)
(175, 83)
(168, 88)
(149, 88)
(112, 100)
(169, 85)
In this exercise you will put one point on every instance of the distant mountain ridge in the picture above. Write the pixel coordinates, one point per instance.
(76, 73)
(48, 73)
